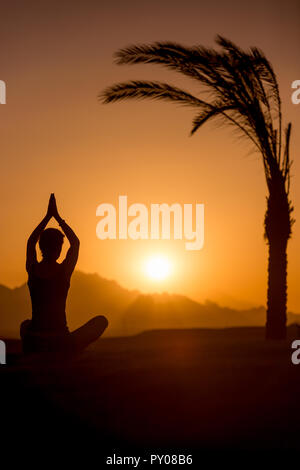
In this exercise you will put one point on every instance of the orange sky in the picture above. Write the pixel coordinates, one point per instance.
(56, 137)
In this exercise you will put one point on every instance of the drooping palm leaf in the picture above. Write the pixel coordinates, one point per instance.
(144, 89)
(242, 85)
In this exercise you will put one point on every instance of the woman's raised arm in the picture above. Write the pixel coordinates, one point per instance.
(72, 254)
(33, 239)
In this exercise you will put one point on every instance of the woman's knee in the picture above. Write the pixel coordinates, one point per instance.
(100, 322)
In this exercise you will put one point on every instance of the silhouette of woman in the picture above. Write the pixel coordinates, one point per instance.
(48, 283)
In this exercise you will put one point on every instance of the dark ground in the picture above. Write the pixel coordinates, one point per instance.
(169, 391)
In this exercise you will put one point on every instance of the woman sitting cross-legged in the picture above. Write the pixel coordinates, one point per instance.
(48, 283)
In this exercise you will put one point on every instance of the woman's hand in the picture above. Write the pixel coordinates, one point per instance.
(52, 208)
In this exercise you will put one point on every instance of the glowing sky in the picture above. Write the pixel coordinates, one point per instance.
(56, 137)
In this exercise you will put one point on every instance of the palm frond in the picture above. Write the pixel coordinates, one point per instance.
(172, 55)
(149, 89)
(286, 164)
(243, 91)
(228, 113)
(203, 117)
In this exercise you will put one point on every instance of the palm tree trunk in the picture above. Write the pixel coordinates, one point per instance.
(277, 231)
(277, 290)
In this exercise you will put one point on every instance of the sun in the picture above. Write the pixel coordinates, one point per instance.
(158, 267)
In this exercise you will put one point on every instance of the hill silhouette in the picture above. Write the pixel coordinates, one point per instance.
(128, 312)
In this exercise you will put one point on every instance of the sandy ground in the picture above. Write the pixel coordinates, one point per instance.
(168, 391)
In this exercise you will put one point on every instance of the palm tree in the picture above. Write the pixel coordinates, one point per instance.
(243, 92)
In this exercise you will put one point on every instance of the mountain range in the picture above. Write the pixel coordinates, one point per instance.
(128, 312)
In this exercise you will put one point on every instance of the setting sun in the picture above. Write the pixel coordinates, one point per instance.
(158, 267)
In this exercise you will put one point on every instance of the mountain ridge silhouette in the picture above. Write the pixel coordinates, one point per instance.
(128, 311)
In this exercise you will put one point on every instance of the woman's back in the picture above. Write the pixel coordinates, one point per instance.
(48, 286)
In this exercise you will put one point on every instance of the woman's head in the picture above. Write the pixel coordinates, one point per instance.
(50, 243)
